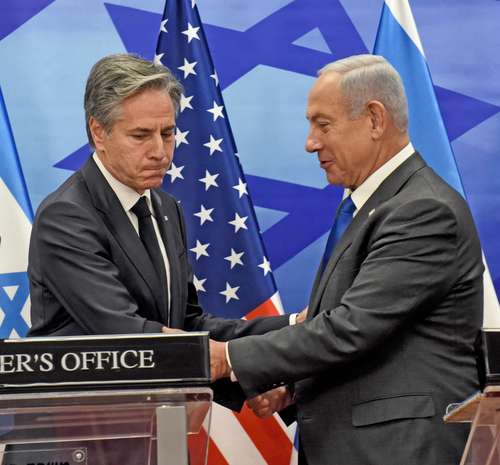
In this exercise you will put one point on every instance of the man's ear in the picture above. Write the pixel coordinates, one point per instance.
(98, 133)
(378, 118)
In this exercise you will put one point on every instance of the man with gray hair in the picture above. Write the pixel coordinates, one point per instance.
(108, 247)
(396, 306)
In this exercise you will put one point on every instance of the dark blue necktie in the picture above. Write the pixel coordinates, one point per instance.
(342, 220)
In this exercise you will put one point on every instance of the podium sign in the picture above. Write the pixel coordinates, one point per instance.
(79, 362)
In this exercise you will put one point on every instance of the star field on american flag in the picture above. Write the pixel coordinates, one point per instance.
(232, 273)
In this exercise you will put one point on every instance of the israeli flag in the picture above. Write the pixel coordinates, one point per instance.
(399, 42)
(16, 216)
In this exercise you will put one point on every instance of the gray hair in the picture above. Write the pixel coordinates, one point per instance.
(371, 77)
(114, 78)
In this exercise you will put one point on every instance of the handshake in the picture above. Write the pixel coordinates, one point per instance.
(263, 405)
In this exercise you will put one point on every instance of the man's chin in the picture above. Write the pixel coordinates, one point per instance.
(333, 179)
(152, 183)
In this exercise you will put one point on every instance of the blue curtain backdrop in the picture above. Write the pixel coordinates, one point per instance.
(266, 53)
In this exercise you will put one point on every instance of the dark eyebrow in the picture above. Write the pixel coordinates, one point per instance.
(139, 129)
(149, 130)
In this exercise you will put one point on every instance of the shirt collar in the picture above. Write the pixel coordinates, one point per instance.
(372, 182)
(126, 195)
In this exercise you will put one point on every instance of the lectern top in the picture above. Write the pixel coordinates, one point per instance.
(114, 361)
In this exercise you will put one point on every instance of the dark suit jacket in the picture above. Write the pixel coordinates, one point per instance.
(389, 340)
(90, 274)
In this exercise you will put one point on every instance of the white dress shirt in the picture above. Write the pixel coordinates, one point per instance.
(128, 197)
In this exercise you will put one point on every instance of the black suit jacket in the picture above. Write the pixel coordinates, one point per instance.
(90, 274)
(389, 340)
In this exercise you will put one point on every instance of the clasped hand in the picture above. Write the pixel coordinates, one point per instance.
(275, 400)
(263, 405)
(219, 368)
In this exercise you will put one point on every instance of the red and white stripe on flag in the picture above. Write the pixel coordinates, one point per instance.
(244, 439)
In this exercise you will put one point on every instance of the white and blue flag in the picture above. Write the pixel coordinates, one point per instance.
(15, 225)
(399, 42)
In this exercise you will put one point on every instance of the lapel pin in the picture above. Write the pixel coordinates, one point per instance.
(371, 211)
(165, 218)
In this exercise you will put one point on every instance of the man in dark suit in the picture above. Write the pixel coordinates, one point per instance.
(397, 303)
(108, 247)
(92, 267)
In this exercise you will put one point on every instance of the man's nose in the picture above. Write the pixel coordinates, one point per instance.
(312, 144)
(158, 148)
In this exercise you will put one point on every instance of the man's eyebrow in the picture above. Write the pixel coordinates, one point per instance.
(317, 116)
(313, 117)
(148, 130)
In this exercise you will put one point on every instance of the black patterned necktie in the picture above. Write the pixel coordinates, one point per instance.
(149, 238)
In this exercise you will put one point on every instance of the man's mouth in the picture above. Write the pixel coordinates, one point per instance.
(156, 168)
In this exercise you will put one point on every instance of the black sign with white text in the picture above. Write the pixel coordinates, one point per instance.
(107, 361)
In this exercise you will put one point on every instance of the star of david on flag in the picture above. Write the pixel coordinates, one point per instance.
(232, 273)
(15, 226)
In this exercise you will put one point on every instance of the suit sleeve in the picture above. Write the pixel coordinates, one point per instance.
(76, 267)
(409, 268)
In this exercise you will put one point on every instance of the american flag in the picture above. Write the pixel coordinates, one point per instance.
(233, 275)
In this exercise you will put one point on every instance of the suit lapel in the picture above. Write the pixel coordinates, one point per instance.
(116, 219)
(389, 187)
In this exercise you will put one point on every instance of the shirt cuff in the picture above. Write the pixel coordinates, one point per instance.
(292, 320)
(232, 376)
